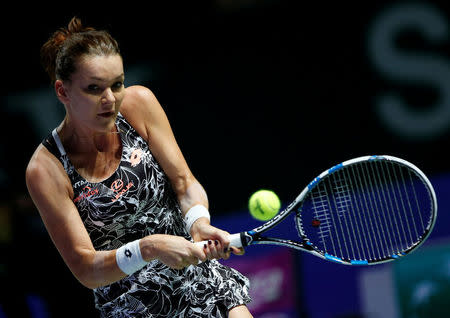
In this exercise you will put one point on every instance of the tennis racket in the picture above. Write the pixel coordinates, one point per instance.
(364, 211)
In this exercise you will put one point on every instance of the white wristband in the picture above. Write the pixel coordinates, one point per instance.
(193, 214)
(129, 258)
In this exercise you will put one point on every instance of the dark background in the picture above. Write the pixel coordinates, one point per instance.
(260, 94)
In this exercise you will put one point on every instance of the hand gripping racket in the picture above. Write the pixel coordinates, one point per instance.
(364, 211)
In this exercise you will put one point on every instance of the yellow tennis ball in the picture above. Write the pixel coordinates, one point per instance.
(264, 205)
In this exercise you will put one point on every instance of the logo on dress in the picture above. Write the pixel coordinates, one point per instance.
(79, 183)
(118, 187)
(136, 157)
(87, 192)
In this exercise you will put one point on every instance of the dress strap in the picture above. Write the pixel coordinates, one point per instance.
(58, 142)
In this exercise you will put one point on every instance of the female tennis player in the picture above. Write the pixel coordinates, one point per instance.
(117, 196)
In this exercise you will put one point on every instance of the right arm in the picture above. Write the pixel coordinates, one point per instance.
(52, 193)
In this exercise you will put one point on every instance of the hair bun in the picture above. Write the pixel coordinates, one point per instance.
(75, 26)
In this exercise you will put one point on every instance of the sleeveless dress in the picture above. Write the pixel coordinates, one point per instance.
(135, 201)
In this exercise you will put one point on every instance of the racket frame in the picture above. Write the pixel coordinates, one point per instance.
(246, 238)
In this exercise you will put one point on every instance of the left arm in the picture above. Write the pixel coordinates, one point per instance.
(146, 115)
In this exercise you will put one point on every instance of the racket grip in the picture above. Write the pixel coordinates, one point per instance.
(235, 240)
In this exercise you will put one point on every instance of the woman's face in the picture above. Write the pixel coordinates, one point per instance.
(95, 92)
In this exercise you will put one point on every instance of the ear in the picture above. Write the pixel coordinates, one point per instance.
(61, 92)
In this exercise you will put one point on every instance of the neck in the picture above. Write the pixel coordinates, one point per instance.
(78, 139)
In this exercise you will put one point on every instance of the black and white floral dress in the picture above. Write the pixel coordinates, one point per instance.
(137, 200)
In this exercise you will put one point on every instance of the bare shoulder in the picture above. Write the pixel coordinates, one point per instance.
(138, 98)
(139, 93)
(142, 109)
(46, 173)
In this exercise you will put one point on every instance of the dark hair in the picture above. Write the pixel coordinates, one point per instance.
(61, 51)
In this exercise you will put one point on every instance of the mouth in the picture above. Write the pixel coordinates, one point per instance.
(106, 114)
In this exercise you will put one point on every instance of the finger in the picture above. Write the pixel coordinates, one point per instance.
(215, 249)
(208, 250)
(237, 250)
(226, 253)
(224, 238)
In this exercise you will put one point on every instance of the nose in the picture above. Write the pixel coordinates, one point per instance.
(108, 97)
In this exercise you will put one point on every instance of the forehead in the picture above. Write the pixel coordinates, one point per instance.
(99, 67)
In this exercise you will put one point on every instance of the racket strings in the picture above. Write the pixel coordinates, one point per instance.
(321, 212)
(340, 200)
(369, 211)
(370, 205)
(344, 204)
(401, 216)
(382, 206)
(406, 215)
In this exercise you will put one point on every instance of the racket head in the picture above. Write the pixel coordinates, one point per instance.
(366, 211)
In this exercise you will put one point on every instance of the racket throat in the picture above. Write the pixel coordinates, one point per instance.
(248, 237)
